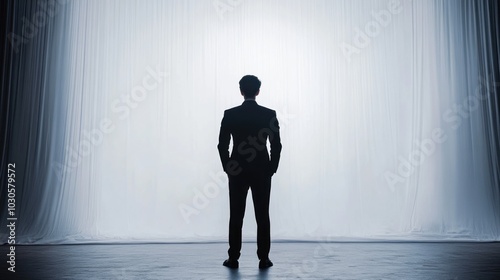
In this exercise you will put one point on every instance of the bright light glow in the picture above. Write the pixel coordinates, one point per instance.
(157, 76)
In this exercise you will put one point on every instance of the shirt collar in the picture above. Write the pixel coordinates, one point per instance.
(249, 101)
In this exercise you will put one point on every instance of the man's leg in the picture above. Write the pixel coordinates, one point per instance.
(261, 192)
(238, 190)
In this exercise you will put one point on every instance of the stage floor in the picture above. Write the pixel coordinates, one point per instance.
(291, 261)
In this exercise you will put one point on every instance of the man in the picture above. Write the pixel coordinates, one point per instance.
(249, 166)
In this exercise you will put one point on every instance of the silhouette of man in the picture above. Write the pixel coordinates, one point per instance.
(249, 166)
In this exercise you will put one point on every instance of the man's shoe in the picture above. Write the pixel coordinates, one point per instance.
(265, 263)
(231, 263)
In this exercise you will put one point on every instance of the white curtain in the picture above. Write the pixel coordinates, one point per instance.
(388, 113)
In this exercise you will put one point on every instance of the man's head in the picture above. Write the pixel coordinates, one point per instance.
(249, 86)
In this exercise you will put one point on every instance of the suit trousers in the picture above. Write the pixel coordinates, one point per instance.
(260, 186)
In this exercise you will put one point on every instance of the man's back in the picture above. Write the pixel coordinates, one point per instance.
(250, 125)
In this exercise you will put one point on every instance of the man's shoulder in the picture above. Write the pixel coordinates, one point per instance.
(239, 108)
(232, 110)
(269, 110)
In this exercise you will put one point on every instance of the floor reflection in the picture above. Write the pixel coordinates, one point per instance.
(291, 261)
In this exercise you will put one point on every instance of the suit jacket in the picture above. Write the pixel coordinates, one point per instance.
(250, 125)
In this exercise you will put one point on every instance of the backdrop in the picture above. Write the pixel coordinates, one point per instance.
(389, 114)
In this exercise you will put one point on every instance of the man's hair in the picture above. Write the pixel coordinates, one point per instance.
(249, 85)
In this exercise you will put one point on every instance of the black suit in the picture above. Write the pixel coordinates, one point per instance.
(249, 166)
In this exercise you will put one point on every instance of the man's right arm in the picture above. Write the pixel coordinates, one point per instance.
(224, 138)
